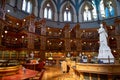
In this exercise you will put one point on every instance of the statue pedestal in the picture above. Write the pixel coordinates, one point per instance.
(105, 55)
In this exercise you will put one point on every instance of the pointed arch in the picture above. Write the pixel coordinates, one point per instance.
(83, 12)
(48, 10)
(109, 9)
(53, 7)
(67, 15)
(35, 7)
(102, 9)
(80, 13)
(24, 5)
(27, 6)
(73, 12)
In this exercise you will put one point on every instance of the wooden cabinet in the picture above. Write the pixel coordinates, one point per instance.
(90, 40)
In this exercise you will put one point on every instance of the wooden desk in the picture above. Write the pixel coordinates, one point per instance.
(107, 71)
(5, 71)
(21, 75)
(54, 61)
(31, 65)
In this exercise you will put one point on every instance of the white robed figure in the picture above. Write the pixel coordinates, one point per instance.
(105, 54)
(32, 55)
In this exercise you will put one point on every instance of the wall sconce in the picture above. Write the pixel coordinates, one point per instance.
(68, 5)
(16, 39)
(2, 36)
(24, 20)
(6, 32)
(111, 27)
(17, 24)
(23, 37)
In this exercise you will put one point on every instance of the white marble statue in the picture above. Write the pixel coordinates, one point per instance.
(32, 55)
(105, 54)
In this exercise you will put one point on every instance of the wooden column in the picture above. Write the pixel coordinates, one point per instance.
(98, 77)
(118, 42)
(90, 77)
(31, 41)
(43, 43)
(81, 76)
(110, 77)
(3, 4)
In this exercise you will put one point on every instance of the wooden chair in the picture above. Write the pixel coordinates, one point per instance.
(40, 66)
(39, 75)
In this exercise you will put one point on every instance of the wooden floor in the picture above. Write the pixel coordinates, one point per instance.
(55, 73)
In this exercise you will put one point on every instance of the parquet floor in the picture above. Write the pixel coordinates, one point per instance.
(55, 73)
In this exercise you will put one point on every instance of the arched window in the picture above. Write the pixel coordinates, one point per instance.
(109, 10)
(87, 14)
(45, 13)
(102, 9)
(67, 15)
(48, 12)
(94, 11)
(27, 6)
(24, 5)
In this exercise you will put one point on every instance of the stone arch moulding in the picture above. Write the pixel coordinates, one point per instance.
(74, 12)
(81, 8)
(42, 11)
(35, 10)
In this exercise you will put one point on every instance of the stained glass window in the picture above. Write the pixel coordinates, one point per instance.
(27, 6)
(87, 14)
(109, 10)
(67, 15)
(48, 11)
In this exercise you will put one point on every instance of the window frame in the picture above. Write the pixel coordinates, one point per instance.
(49, 15)
(27, 4)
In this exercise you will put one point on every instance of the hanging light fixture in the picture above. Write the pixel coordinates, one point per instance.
(6, 31)
(48, 2)
(68, 5)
